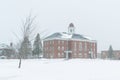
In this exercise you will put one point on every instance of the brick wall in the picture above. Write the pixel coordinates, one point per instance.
(80, 49)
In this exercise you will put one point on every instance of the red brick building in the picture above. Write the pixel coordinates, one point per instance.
(71, 45)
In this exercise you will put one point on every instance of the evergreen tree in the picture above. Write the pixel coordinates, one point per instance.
(25, 49)
(37, 46)
(110, 53)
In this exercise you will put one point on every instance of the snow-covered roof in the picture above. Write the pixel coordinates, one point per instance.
(3, 46)
(64, 35)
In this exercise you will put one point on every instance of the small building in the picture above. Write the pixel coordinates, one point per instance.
(69, 45)
(105, 54)
(7, 52)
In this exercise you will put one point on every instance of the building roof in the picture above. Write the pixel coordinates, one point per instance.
(4, 46)
(65, 35)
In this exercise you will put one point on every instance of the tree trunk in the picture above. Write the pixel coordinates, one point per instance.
(19, 63)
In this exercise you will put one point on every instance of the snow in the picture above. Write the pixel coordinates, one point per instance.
(88, 37)
(2, 46)
(60, 69)
(66, 35)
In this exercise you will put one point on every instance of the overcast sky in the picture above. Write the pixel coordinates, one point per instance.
(99, 19)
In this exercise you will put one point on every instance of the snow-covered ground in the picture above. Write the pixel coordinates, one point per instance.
(74, 69)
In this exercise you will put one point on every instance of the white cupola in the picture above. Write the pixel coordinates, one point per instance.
(71, 28)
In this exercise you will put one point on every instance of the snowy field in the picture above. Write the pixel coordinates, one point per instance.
(74, 69)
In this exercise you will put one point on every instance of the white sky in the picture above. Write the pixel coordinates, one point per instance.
(99, 19)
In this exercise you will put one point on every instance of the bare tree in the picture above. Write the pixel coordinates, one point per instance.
(25, 50)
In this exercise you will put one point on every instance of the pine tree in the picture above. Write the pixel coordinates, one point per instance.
(37, 46)
(110, 53)
(25, 49)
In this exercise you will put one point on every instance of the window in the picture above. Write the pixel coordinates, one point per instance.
(59, 48)
(52, 49)
(91, 47)
(70, 30)
(44, 49)
(51, 55)
(58, 42)
(80, 46)
(46, 43)
(58, 54)
(50, 42)
(75, 54)
(75, 46)
(62, 42)
(62, 54)
(62, 48)
(85, 46)
(85, 55)
(47, 55)
(80, 54)
(94, 56)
